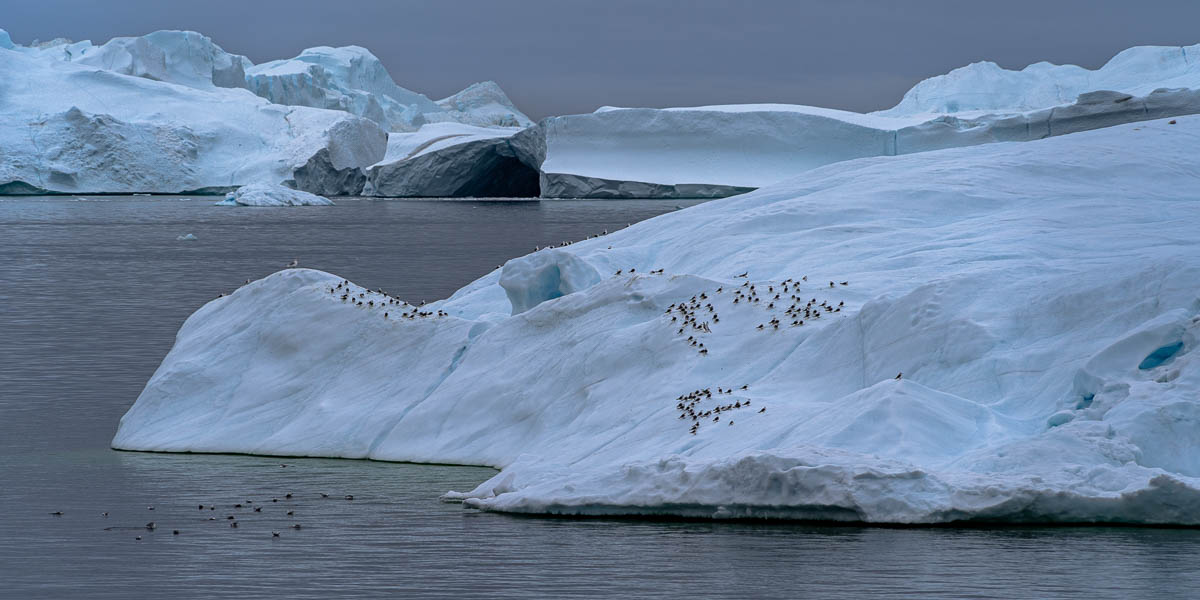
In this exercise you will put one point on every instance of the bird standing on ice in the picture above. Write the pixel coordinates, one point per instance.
(295, 262)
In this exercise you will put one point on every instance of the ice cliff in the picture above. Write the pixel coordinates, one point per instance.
(1002, 332)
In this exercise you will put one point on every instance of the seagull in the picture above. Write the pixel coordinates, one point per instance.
(295, 262)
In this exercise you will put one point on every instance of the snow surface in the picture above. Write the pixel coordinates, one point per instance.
(182, 57)
(271, 194)
(436, 136)
(71, 127)
(1039, 298)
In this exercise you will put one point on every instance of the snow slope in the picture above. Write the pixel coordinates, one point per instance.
(1039, 298)
(74, 128)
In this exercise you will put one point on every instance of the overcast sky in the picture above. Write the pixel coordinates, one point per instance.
(570, 56)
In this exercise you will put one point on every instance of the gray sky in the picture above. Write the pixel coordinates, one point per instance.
(569, 56)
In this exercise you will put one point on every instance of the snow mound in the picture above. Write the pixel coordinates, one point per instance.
(6, 42)
(483, 104)
(350, 79)
(182, 57)
(270, 194)
(1037, 301)
(985, 86)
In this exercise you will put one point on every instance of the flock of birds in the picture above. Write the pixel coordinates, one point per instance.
(372, 299)
(246, 508)
(689, 406)
(698, 314)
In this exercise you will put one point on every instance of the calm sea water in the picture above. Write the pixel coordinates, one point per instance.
(91, 294)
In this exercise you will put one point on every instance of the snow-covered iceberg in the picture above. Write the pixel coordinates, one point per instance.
(998, 332)
(352, 79)
(272, 194)
(69, 127)
(714, 151)
(985, 86)
(172, 112)
(717, 151)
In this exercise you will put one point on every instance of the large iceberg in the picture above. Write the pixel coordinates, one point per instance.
(70, 127)
(998, 332)
(714, 151)
(172, 112)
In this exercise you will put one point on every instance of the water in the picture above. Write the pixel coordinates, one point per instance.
(91, 294)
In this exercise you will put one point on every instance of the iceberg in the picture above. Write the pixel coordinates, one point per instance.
(352, 79)
(70, 127)
(717, 151)
(272, 194)
(450, 159)
(1000, 332)
(985, 86)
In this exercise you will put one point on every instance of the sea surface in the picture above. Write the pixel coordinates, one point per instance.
(92, 291)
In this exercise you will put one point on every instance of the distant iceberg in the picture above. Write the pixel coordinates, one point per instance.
(172, 112)
(1003, 332)
(271, 194)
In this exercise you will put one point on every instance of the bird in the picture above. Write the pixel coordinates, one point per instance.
(57, 513)
(295, 262)
(274, 534)
(898, 375)
(151, 525)
(174, 532)
(291, 512)
(233, 524)
(296, 526)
